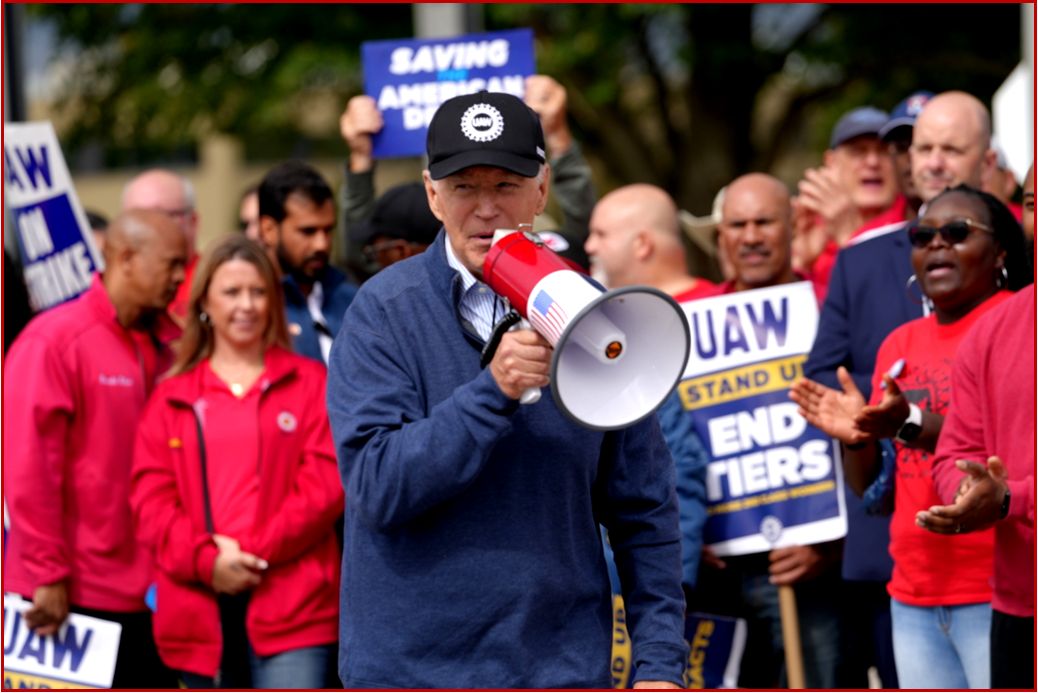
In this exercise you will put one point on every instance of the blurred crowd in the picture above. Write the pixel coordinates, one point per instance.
(278, 473)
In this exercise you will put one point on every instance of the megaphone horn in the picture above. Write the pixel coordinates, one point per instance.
(617, 355)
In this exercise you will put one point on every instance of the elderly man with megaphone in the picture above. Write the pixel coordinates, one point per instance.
(472, 556)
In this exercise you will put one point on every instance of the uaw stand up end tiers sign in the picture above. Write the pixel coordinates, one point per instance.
(773, 480)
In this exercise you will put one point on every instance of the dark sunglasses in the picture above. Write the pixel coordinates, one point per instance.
(953, 232)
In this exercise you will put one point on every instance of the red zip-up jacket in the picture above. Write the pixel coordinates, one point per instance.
(297, 602)
(75, 384)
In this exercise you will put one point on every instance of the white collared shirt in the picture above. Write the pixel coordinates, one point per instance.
(479, 304)
(313, 303)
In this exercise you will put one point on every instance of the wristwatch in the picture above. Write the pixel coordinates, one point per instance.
(1005, 505)
(912, 426)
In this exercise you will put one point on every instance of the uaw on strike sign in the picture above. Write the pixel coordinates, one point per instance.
(410, 78)
(773, 480)
(58, 252)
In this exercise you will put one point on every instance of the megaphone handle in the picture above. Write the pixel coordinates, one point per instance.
(530, 395)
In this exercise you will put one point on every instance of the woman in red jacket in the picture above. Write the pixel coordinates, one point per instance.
(967, 251)
(236, 490)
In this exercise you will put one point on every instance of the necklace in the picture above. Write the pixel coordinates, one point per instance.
(237, 389)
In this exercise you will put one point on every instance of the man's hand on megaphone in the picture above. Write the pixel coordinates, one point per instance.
(522, 361)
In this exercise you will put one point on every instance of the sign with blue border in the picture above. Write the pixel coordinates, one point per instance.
(81, 654)
(410, 78)
(57, 249)
(773, 479)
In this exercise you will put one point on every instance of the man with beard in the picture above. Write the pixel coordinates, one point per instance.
(297, 220)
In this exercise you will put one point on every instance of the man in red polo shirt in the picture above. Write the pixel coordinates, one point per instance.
(855, 184)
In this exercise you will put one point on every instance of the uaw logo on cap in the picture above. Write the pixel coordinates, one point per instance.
(482, 123)
(916, 103)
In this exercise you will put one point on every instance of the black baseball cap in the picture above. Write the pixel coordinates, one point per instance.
(402, 212)
(485, 129)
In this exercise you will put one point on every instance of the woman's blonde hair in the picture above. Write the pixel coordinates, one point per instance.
(197, 342)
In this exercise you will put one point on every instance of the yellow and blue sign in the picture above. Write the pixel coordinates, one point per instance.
(773, 480)
(410, 78)
(716, 645)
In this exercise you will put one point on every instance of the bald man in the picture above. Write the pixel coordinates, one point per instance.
(77, 380)
(635, 239)
(872, 292)
(171, 194)
(756, 232)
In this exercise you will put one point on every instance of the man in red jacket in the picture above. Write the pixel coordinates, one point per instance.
(77, 380)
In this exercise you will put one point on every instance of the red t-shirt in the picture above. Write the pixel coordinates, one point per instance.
(232, 452)
(930, 569)
(702, 289)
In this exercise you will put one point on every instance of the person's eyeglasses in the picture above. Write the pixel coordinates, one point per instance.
(953, 232)
(372, 251)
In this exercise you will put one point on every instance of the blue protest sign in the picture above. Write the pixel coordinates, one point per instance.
(410, 78)
(773, 479)
(57, 248)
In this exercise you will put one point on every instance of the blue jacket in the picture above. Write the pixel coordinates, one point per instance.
(690, 461)
(338, 294)
(472, 556)
(866, 302)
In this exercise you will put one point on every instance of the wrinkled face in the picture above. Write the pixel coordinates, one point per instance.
(304, 238)
(946, 151)
(238, 304)
(476, 201)
(756, 235)
(609, 245)
(248, 217)
(157, 268)
(865, 171)
(1029, 205)
(961, 274)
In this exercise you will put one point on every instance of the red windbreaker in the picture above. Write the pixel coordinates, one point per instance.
(297, 603)
(75, 384)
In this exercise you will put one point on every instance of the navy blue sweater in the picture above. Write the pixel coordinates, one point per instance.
(472, 556)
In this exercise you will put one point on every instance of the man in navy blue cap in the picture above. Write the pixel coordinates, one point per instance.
(897, 134)
(472, 557)
(855, 184)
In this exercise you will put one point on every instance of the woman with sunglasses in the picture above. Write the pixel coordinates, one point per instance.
(968, 254)
(235, 488)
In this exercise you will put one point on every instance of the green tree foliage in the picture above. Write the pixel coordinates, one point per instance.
(155, 76)
(684, 96)
(689, 96)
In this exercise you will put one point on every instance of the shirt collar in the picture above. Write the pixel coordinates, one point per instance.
(468, 280)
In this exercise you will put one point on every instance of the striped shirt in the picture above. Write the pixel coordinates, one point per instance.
(479, 304)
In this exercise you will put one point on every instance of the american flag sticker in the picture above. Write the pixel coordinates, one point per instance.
(548, 316)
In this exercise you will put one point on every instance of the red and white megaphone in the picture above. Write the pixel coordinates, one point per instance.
(618, 354)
